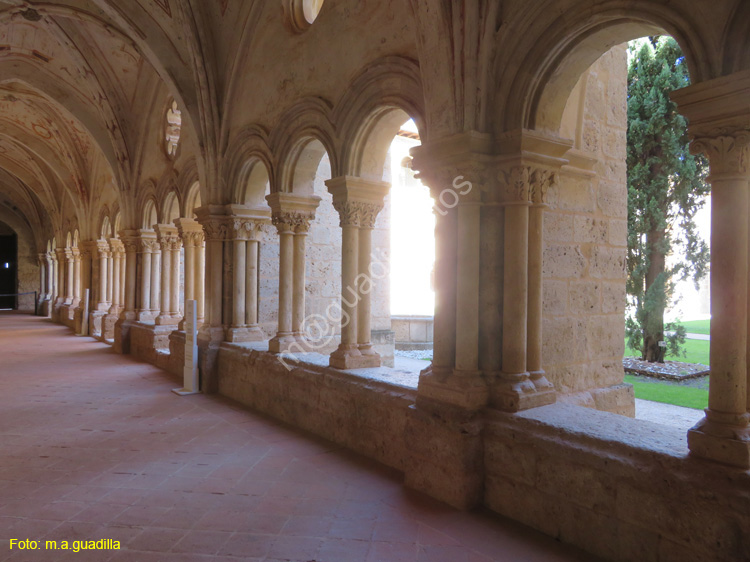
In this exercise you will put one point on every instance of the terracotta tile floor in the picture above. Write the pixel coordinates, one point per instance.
(95, 446)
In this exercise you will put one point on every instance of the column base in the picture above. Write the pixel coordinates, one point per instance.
(348, 357)
(244, 334)
(108, 327)
(166, 320)
(96, 323)
(726, 443)
(146, 316)
(282, 343)
(445, 453)
(465, 389)
(516, 392)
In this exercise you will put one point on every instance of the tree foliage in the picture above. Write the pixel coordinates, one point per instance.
(666, 187)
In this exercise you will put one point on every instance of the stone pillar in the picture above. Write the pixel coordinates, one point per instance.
(146, 248)
(60, 277)
(50, 261)
(104, 255)
(245, 228)
(43, 296)
(77, 278)
(719, 115)
(358, 202)
(117, 270)
(292, 215)
(524, 189)
(69, 272)
(168, 237)
(193, 240)
(156, 270)
(110, 297)
(214, 221)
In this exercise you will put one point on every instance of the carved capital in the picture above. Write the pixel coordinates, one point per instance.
(728, 154)
(194, 239)
(216, 229)
(245, 229)
(350, 212)
(369, 214)
(526, 184)
(294, 222)
(169, 242)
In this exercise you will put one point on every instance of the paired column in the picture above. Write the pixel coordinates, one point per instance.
(131, 245)
(77, 278)
(43, 274)
(103, 256)
(194, 242)
(69, 274)
(170, 245)
(358, 202)
(117, 286)
(292, 216)
(147, 245)
(245, 233)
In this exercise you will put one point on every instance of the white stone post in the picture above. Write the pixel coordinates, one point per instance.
(190, 369)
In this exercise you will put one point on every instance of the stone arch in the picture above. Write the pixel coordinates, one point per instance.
(300, 143)
(117, 225)
(171, 208)
(192, 200)
(250, 167)
(150, 215)
(105, 231)
(550, 66)
(368, 116)
(737, 44)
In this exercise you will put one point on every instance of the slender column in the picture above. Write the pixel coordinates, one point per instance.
(300, 261)
(110, 298)
(43, 278)
(146, 250)
(240, 272)
(156, 280)
(216, 234)
(168, 240)
(724, 434)
(116, 277)
(358, 203)
(540, 182)
(60, 276)
(104, 255)
(174, 292)
(69, 272)
(131, 281)
(50, 276)
(366, 282)
(284, 337)
(123, 278)
(191, 234)
(251, 285)
(77, 284)
(348, 356)
(292, 215)
(200, 279)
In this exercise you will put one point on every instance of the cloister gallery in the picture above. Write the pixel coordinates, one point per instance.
(236, 153)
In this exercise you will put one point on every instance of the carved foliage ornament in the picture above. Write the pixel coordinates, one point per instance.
(358, 213)
(245, 229)
(292, 222)
(527, 183)
(727, 154)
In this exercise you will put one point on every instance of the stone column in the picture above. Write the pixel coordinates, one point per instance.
(60, 276)
(724, 434)
(130, 286)
(43, 296)
(191, 234)
(156, 270)
(117, 250)
(174, 292)
(146, 247)
(103, 251)
(358, 202)
(168, 239)
(77, 278)
(69, 273)
(292, 215)
(719, 116)
(284, 337)
(518, 389)
(50, 276)
(110, 297)
(199, 280)
(246, 224)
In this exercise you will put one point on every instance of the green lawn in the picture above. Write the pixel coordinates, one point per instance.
(698, 327)
(696, 352)
(666, 393)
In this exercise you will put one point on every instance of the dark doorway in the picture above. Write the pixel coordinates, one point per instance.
(8, 270)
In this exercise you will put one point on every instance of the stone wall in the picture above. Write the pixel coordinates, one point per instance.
(586, 240)
(362, 414)
(622, 489)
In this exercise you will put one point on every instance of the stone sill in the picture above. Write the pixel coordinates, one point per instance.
(387, 378)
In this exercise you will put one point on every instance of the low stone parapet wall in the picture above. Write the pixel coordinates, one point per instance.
(363, 413)
(622, 489)
(413, 332)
